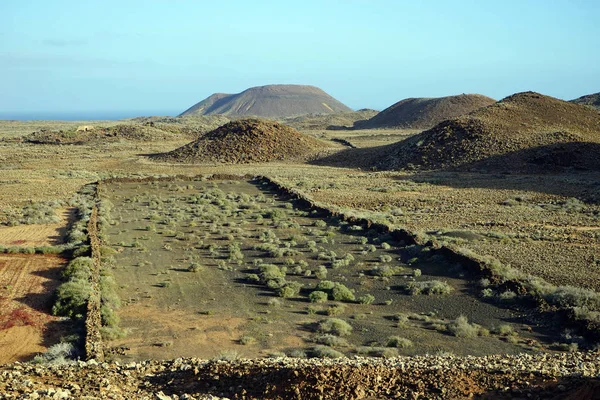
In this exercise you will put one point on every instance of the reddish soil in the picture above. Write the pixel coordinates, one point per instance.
(27, 284)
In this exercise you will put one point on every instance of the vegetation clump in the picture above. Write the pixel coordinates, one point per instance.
(432, 287)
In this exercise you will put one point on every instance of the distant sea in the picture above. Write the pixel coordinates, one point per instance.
(82, 115)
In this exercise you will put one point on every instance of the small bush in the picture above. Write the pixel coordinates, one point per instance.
(325, 285)
(366, 299)
(270, 271)
(71, 298)
(504, 330)
(341, 293)
(58, 354)
(291, 289)
(318, 296)
(383, 271)
(385, 258)
(195, 267)
(461, 327)
(79, 268)
(321, 272)
(507, 295)
(335, 326)
(336, 309)
(428, 287)
(247, 340)
(326, 352)
(400, 342)
(331, 340)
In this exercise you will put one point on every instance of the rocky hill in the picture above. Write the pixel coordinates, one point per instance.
(271, 101)
(591, 100)
(424, 113)
(525, 130)
(97, 134)
(246, 141)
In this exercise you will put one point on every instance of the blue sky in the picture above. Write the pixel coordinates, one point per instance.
(163, 56)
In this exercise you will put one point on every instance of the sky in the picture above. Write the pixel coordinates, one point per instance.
(159, 57)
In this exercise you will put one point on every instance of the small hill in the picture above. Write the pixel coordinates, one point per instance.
(271, 101)
(424, 113)
(521, 131)
(335, 121)
(186, 126)
(93, 134)
(591, 100)
(245, 141)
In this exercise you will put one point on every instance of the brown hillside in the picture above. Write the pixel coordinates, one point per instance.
(591, 100)
(245, 141)
(271, 101)
(424, 113)
(522, 130)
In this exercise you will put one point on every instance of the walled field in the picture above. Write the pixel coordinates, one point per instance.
(27, 283)
(226, 269)
(37, 234)
(546, 225)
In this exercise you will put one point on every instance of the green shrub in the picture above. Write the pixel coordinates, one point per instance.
(291, 289)
(79, 268)
(335, 309)
(397, 341)
(401, 320)
(366, 299)
(341, 293)
(326, 352)
(195, 267)
(569, 296)
(461, 327)
(321, 272)
(331, 340)
(385, 352)
(428, 287)
(325, 285)
(385, 258)
(276, 283)
(71, 298)
(504, 330)
(270, 271)
(335, 326)
(318, 296)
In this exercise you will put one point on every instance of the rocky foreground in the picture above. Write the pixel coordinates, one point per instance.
(547, 376)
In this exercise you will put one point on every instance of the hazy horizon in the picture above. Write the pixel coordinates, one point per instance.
(78, 58)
